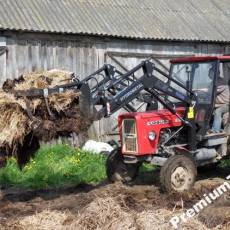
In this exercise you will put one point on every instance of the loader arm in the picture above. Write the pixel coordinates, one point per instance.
(92, 89)
(112, 90)
(149, 83)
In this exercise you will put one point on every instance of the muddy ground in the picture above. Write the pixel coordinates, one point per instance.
(140, 205)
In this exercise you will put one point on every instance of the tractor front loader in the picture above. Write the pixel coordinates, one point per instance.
(172, 132)
(174, 137)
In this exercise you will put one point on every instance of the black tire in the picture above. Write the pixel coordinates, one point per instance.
(117, 170)
(178, 174)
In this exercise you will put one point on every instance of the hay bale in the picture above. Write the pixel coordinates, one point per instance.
(15, 124)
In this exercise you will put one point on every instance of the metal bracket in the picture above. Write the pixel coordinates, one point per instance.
(45, 93)
(35, 121)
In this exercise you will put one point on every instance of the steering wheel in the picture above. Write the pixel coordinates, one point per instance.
(202, 95)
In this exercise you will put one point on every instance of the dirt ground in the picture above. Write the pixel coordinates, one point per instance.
(140, 205)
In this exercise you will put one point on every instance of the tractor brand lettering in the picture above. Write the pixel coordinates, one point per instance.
(207, 200)
(180, 95)
(131, 92)
(159, 122)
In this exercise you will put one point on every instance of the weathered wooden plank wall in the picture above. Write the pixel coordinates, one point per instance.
(3, 53)
(83, 55)
(26, 56)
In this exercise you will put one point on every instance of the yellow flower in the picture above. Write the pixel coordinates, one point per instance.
(28, 167)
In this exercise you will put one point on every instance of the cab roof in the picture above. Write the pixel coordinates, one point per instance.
(201, 59)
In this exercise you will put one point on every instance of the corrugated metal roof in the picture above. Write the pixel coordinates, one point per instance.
(206, 20)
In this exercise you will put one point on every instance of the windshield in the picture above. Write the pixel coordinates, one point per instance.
(198, 77)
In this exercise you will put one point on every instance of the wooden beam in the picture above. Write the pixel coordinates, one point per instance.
(147, 55)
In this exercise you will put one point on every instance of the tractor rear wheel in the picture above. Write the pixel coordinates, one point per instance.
(117, 170)
(178, 174)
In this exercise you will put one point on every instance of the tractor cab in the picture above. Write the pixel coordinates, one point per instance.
(202, 75)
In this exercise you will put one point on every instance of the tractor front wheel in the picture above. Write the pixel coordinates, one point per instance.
(117, 170)
(178, 173)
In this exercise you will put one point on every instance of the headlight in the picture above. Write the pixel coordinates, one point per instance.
(152, 136)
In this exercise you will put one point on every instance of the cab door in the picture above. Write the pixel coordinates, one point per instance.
(205, 75)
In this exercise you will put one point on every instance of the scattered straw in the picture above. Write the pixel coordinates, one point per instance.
(46, 220)
(14, 124)
(62, 101)
(102, 214)
(43, 79)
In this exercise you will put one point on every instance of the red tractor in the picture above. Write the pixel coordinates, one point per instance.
(173, 131)
(174, 137)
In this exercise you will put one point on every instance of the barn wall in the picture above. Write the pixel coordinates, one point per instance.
(83, 55)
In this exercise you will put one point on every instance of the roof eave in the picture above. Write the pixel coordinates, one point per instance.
(195, 40)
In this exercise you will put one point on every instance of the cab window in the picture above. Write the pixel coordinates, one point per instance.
(198, 77)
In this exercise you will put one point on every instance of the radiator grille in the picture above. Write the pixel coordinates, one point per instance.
(129, 127)
(129, 136)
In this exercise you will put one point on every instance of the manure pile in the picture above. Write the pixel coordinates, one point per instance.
(112, 206)
(20, 134)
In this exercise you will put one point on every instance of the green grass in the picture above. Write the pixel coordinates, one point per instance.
(61, 165)
(225, 164)
(54, 167)
(57, 166)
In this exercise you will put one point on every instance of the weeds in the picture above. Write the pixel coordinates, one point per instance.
(61, 165)
(225, 164)
(54, 167)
